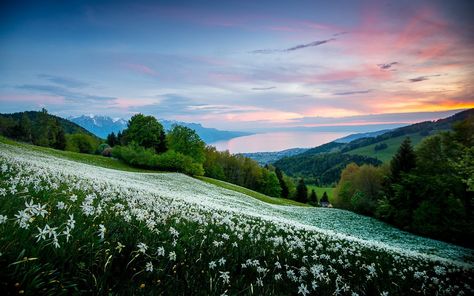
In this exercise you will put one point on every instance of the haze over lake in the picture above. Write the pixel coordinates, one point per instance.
(277, 141)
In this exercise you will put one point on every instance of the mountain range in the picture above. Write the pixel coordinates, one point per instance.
(104, 125)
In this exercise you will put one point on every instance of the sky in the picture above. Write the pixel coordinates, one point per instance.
(240, 65)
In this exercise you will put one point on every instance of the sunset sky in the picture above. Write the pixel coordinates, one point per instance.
(239, 64)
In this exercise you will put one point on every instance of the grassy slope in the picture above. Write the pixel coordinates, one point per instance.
(97, 160)
(386, 155)
(116, 164)
(254, 194)
(321, 190)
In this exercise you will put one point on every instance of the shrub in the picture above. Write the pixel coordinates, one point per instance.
(169, 161)
(81, 143)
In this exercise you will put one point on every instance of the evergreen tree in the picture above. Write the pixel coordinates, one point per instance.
(325, 197)
(404, 161)
(60, 139)
(301, 191)
(120, 140)
(162, 146)
(284, 188)
(313, 198)
(24, 128)
(41, 134)
(112, 139)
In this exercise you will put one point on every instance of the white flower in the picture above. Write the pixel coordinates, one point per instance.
(71, 223)
(160, 251)
(259, 282)
(142, 247)
(212, 264)
(73, 198)
(61, 205)
(67, 233)
(3, 219)
(278, 276)
(102, 231)
(222, 261)
(149, 266)
(225, 276)
(119, 247)
(302, 289)
(384, 293)
(172, 256)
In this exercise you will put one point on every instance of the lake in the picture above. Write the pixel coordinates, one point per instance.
(277, 141)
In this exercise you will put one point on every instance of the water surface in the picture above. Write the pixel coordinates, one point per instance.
(277, 141)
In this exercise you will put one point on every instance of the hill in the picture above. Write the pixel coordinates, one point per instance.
(324, 163)
(68, 126)
(146, 232)
(264, 158)
(104, 125)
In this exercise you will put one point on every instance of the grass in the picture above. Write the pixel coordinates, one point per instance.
(111, 163)
(386, 154)
(320, 190)
(92, 159)
(77, 229)
(254, 194)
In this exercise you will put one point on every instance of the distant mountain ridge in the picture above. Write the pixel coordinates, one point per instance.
(324, 163)
(264, 158)
(104, 125)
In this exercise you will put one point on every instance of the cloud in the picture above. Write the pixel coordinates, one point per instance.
(64, 81)
(293, 48)
(355, 92)
(386, 66)
(139, 68)
(422, 78)
(264, 88)
(67, 94)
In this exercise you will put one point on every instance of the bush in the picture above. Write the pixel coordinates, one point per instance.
(146, 158)
(81, 143)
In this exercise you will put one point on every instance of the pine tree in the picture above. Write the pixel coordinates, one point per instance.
(313, 198)
(404, 161)
(301, 191)
(60, 139)
(120, 140)
(284, 188)
(24, 128)
(112, 139)
(162, 146)
(325, 198)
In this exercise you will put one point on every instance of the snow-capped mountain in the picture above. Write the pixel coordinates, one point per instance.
(104, 125)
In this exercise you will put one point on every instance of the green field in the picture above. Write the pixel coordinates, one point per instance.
(321, 190)
(254, 194)
(386, 154)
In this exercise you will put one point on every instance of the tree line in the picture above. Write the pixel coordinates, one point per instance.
(43, 129)
(428, 190)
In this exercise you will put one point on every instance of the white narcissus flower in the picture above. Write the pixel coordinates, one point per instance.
(149, 267)
(102, 231)
(3, 219)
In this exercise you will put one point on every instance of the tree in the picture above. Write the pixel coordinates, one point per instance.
(313, 198)
(24, 128)
(403, 161)
(61, 141)
(112, 139)
(301, 191)
(325, 197)
(120, 139)
(145, 131)
(284, 188)
(41, 134)
(186, 141)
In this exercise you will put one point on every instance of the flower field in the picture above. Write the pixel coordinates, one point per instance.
(72, 228)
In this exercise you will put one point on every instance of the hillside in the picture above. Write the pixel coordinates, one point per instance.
(264, 158)
(104, 125)
(68, 126)
(139, 227)
(324, 163)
